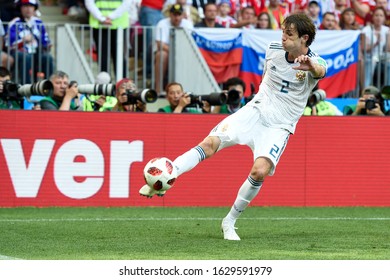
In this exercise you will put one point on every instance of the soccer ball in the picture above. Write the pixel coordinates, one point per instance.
(160, 174)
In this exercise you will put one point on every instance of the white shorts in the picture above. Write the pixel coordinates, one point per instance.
(245, 127)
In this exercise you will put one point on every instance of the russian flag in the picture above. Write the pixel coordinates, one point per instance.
(340, 49)
(221, 50)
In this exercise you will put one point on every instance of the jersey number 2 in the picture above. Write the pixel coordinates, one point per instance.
(274, 151)
(285, 86)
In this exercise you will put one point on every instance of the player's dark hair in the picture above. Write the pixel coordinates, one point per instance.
(303, 24)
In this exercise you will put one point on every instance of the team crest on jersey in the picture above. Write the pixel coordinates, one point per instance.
(301, 75)
(225, 127)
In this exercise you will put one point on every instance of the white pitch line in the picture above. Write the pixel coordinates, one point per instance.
(7, 258)
(194, 219)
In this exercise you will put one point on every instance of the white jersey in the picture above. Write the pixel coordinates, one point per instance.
(283, 92)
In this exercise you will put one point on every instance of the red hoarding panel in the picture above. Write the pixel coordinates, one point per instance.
(97, 159)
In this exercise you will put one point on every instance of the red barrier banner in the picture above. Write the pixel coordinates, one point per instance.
(97, 159)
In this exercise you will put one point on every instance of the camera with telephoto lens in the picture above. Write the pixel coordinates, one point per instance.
(370, 103)
(145, 96)
(43, 88)
(233, 97)
(212, 98)
(10, 90)
(97, 89)
(315, 97)
(216, 98)
(15, 91)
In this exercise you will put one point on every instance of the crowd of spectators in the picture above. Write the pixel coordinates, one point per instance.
(25, 42)
(29, 42)
(369, 16)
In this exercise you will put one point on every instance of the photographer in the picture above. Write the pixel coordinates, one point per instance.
(181, 102)
(101, 100)
(6, 101)
(235, 88)
(318, 106)
(125, 91)
(65, 95)
(371, 103)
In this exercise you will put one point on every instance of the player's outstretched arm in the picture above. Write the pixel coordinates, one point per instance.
(307, 64)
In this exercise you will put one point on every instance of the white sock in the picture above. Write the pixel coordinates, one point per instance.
(189, 160)
(249, 189)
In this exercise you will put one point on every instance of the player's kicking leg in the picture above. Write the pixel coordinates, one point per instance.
(187, 161)
(183, 163)
(149, 192)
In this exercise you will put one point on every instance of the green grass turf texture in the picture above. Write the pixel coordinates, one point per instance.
(153, 233)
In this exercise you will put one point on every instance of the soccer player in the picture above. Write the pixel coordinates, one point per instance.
(291, 71)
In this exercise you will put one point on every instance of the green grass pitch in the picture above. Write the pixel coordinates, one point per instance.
(149, 233)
